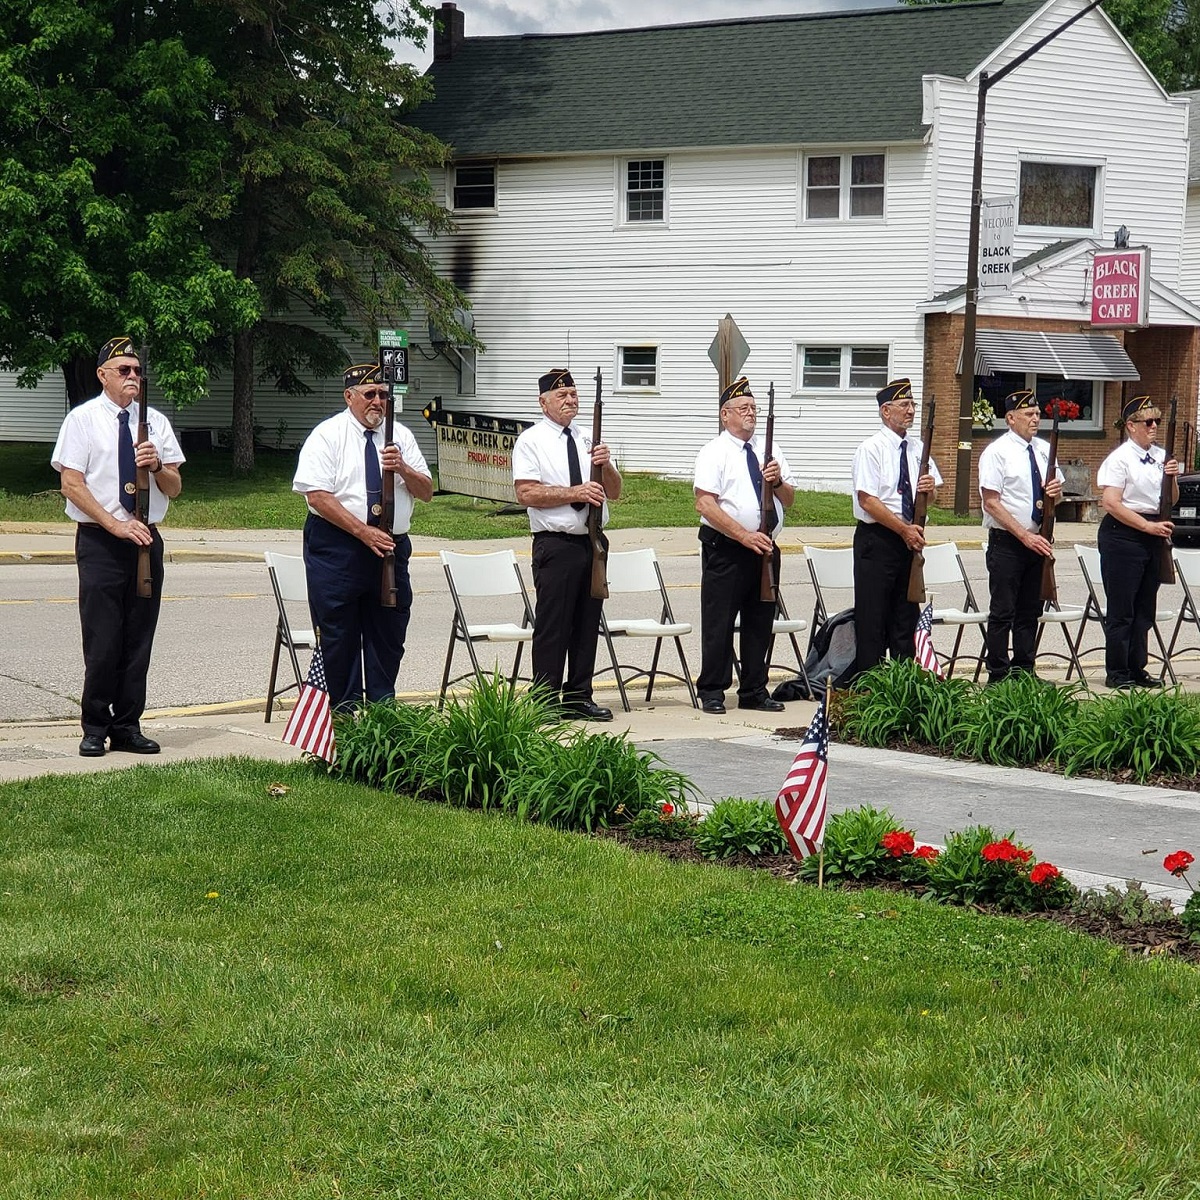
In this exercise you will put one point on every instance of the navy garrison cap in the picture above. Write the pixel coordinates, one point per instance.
(118, 347)
(739, 387)
(560, 377)
(361, 373)
(1015, 401)
(1139, 404)
(898, 389)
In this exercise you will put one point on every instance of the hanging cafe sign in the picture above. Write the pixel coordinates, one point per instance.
(474, 452)
(1121, 288)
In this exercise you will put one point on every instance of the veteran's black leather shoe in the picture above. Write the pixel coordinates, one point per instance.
(135, 743)
(92, 746)
(1145, 680)
(764, 705)
(585, 710)
(713, 706)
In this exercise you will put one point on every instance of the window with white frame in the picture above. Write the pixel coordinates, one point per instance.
(1083, 399)
(843, 368)
(1058, 195)
(843, 186)
(637, 368)
(473, 186)
(644, 189)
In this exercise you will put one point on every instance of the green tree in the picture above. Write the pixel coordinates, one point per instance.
(323, 187)
(102, 122)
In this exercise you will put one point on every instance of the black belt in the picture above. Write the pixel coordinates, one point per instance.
(554, 533)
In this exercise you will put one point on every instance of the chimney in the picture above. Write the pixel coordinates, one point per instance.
(447, 32)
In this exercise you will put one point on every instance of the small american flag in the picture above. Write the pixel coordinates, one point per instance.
(802, 802)
(923, 641)
(310, 727)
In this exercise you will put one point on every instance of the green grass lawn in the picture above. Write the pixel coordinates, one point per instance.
(207, 991)
(214, 498)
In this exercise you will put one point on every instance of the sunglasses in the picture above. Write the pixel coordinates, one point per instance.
(125, 370)
(377, 394)
(1146, 421)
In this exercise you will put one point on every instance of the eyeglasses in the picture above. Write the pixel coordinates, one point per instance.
(747, 410)
(374, 394)
(906, 404)
(126, 369)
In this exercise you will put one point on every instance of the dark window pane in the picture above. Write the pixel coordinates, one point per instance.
(639, 366)
(1060, 195)
(475, 186)
(825, 171)
(996, 387)
(645, 189)
(866, 169)
(823, 203)
(822, 367)
(1077, 391)
(868, 367)
(866, 202)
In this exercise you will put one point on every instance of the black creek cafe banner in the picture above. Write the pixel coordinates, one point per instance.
(474, 452)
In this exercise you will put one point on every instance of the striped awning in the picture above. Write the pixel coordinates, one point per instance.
(1069, 355)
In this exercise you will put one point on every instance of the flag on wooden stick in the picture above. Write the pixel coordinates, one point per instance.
(923, 642)
(802, 803)
(310, 727)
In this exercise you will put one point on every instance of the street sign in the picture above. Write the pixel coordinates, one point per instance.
(997, 221)
(393, 357)
(728, 352)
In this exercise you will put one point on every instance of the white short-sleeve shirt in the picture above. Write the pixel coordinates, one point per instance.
(876, 470)
(722, 469)
(87, 443)
(333, 460)
(1138, 473)
(540, 455)
(1004, 468)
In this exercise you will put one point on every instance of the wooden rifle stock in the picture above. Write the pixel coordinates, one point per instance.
(595, 517)
(768, 591)
(387, 583)
(145, 579)
(1046, 529)
(1166, 500)
(916, 573)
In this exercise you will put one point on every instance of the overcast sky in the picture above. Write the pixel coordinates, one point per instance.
(496, 18)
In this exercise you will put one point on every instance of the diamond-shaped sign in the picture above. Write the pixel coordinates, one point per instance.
(729, 341)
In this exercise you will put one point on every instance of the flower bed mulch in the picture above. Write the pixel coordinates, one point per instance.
(1169, 938)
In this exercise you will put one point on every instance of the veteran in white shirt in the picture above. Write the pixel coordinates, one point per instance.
(728, 485)
(1131, 541)
(551, 480)
(885, 478)
(340, 474)
(1013, 488)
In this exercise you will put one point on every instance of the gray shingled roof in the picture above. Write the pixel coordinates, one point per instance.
(1193, 136)
(840, 78)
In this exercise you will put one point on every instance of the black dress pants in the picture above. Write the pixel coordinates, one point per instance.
(566, 620)
(885, 620)
(731, 584)
(1015, 586)
(1129, 569)
(362, 642)
(118, 629)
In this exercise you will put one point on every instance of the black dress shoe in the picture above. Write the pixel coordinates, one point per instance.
(585, 710)
(1118, 684)
(1145, 680)
(91, 746)
(135, 743)
(764, 705)
(713, 706)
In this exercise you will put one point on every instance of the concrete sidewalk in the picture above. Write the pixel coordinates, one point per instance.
(1098, 832)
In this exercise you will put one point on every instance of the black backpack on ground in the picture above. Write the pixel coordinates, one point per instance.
(832, 653)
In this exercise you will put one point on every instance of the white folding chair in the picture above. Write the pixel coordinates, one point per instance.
(290, 586)
(944, 569)
(783, 625)
(1187, 571)
(483, 576)
(633, 571)
(830, 570)
(1097, 608)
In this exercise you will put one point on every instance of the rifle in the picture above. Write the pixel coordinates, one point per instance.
(595, 517)
(916, 573)
(1166, 500)
(768, 591)
(1046, 529)
(387, 583)
(145, 580)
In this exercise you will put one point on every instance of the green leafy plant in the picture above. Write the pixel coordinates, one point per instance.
(854, 846)
(1138, 732)
(1020, 720)
(1131, 906)
(386, 745)
(740, 826)
(585, 779)
(885, 704)
(948, 714)
(977, 867)
(667, 822)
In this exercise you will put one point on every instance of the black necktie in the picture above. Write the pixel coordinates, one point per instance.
(374, 479)
(126, 467)
(757, 479)
(908, 510)
(573, 468)
(1035, 478)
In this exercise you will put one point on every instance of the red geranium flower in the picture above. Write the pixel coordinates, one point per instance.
(898, 843)
(1002, 851)
(1068, 410)
(667, 809)
(929, 852)
(1044, 873)
(1178, 862)
(1022, 855)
